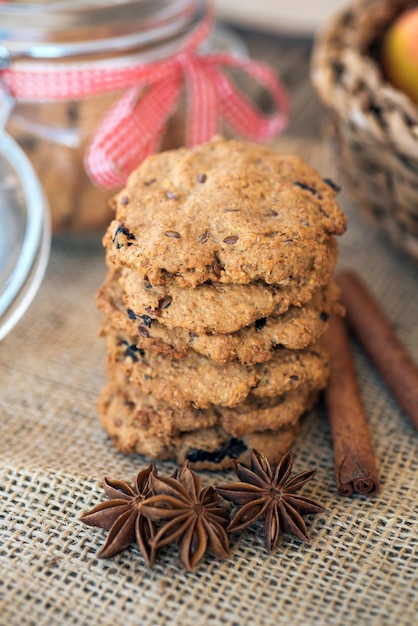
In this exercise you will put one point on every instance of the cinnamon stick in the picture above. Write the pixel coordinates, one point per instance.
(354, 463)
(381, 343)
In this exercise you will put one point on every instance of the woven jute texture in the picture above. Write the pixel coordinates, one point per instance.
(360, 566)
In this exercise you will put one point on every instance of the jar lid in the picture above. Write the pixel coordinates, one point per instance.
(25, 233)
(61, 28)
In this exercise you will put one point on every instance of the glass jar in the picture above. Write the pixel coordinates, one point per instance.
(25, 232)
(54, 134)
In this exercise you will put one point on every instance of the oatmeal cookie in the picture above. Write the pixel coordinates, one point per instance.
(227, 211)
(217, 308)
(165, 421)
(295, 329)
(198, 381)
(208, 448)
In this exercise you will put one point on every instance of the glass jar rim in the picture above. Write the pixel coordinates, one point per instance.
(60, 29)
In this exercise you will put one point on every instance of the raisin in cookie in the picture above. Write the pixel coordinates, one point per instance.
(226, 211)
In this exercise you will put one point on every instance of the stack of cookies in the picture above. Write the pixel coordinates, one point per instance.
(218, 293)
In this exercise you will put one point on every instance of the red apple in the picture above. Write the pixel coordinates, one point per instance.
(400, 53)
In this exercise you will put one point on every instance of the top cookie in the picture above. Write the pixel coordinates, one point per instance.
(226, 211)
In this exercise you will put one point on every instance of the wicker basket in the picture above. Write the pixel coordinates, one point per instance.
(373, 126)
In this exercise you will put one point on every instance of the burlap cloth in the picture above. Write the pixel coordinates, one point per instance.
(360, 567)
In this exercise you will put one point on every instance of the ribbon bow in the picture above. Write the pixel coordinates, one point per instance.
(133, 127)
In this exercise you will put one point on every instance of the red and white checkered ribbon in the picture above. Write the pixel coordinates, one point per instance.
(134, 125)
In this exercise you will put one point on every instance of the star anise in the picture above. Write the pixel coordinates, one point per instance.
(191, 516)
(121, 516)
(269, 492)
